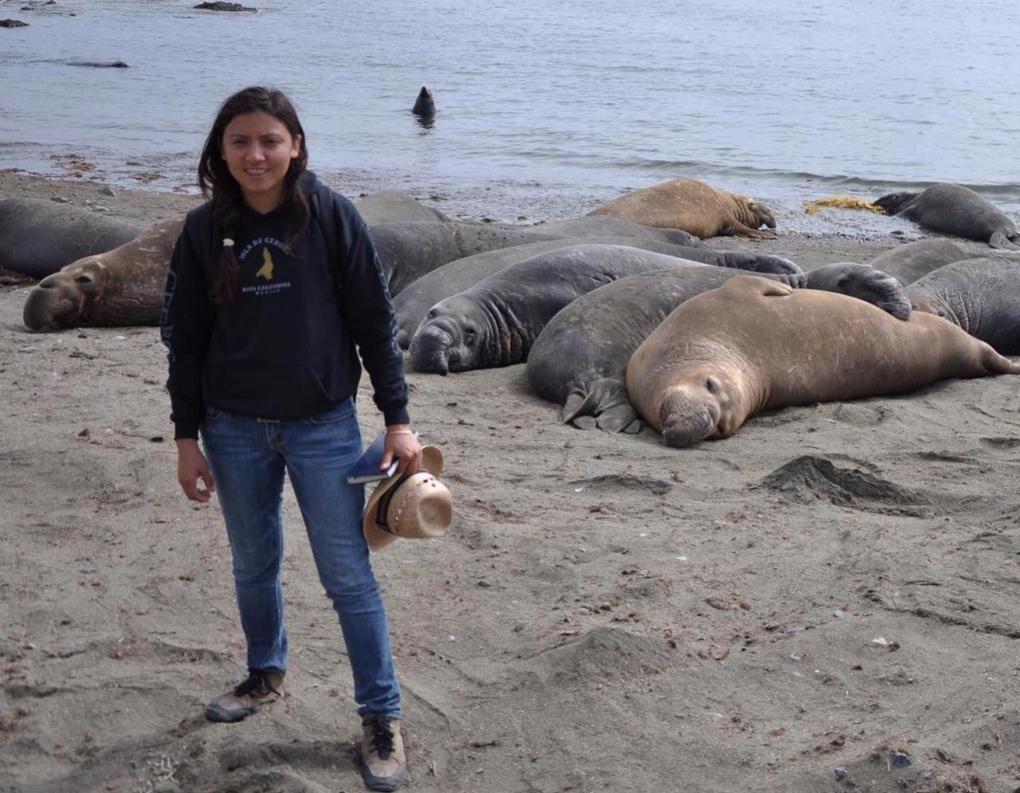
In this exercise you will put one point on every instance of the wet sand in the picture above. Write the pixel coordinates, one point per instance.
(833, 585)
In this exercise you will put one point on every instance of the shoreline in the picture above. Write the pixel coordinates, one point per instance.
(845, 234)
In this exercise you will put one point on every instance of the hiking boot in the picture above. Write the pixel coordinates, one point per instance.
(382, 753)
(259, 689)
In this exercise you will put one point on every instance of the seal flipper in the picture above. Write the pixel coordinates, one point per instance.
(1003, 240)
(737, 229)
(606, 399)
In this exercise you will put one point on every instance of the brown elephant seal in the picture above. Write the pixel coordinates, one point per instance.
(39, 237)
(954, 209)
(981, 296)
(121, 287)
(695, 207)
(580, 357)
(755, 345)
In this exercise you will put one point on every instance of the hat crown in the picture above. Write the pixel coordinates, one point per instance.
(421, 507)
(415, 506)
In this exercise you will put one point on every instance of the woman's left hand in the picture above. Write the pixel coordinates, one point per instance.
(401, 445)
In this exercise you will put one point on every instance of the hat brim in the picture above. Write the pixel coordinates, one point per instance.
(376, 535)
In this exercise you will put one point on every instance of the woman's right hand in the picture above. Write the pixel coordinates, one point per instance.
(191, 467)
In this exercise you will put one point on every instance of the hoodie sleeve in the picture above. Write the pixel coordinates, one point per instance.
(368, 312)
(186, 323)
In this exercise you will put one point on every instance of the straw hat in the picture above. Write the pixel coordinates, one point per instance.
(412, 506)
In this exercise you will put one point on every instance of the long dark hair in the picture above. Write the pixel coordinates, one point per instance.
(216, 182)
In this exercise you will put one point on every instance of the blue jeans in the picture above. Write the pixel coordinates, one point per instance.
(248, 458)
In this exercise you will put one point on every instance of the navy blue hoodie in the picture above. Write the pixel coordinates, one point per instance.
(284, 347)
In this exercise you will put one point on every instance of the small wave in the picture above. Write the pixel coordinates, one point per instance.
(1003, 190)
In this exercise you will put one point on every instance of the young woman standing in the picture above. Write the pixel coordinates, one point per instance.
(274, 288)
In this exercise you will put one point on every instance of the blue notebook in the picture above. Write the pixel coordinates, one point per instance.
(367, 469)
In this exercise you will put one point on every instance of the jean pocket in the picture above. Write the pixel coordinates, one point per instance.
(342, 412)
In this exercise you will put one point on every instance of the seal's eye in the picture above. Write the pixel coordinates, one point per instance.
(711, 385)
(469, 335)
(431, 314)
(83, 279)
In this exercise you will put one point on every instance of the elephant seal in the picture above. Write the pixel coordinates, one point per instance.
(693, 206)
(425, 104)
(100, 64)
(909, 262)
(394, 206)
(121, 287)
(981, 296)
(413, 302)
(37, 238)
(579, 358)
(954, 209)
(863, 282)
(755, 345)
(408, 251)
(494, 322)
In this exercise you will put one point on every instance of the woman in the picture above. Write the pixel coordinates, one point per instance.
(272, 285)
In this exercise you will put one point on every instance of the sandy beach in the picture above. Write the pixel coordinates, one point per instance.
(826, 601)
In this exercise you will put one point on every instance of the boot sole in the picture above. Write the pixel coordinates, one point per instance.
(382, 783)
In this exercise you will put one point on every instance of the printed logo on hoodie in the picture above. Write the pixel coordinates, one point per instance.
(262, 282)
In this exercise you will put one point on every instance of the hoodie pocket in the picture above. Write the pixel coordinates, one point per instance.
(267, 391)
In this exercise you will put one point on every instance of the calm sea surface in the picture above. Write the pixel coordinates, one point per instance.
(544, 108)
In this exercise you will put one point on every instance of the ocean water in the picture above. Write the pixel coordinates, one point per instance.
(545, 109)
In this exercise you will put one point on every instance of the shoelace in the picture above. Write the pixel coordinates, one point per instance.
(256, 683)
(382, 737)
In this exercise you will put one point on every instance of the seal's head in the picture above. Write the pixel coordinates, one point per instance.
(449, 339)
(65, 298)
(865, 283)
(892, 203)
(425, 104)
(688, 414)
(762, 214)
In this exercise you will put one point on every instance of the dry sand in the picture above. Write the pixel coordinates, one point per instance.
(834, 584)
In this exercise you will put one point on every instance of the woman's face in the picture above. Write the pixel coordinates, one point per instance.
(258, 148)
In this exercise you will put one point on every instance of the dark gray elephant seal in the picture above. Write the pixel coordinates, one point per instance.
(579, 358)
(494, 322)
(863, 282)
(982, 296)
(37, 238)
(909, 262)
(395, 206)
(409, 250)
(954, 209)
(425, 104)
(413, 302)
(120, 287)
